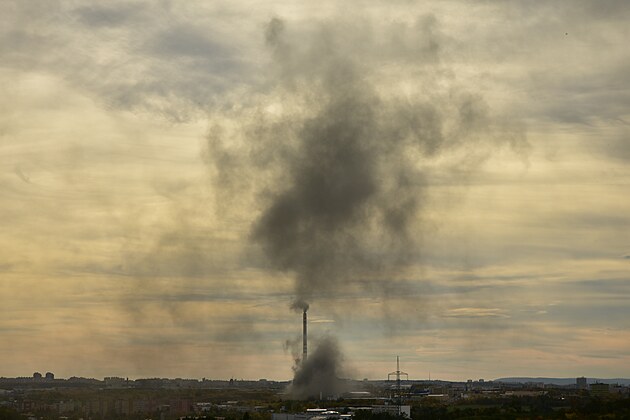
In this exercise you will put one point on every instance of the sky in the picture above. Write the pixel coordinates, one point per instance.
(442, 181)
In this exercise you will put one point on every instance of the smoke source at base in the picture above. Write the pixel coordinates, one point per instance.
(318, 376)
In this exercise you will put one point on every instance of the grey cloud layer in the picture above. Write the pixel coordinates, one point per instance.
(144, 56)
(115, 235)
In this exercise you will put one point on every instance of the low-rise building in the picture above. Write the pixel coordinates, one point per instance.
(599, 389)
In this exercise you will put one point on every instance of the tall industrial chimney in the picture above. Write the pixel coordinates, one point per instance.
(304, 341)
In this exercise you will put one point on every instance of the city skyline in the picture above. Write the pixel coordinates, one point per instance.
(446, 182)
(49, 378)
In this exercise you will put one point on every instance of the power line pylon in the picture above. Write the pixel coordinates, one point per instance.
(398, 374)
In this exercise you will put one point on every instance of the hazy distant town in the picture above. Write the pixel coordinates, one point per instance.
(43, 396)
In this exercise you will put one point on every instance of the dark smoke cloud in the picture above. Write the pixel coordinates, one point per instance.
(337, 156)
(300, 305)
(320, 375)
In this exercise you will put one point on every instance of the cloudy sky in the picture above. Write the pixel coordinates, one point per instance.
(444, 181)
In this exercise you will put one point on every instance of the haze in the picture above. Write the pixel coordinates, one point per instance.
(443, 181)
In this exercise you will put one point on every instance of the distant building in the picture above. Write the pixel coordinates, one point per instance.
(310, 414)
(50, 376)
(330, 414)
(581, 382)
(37, 375)
(524, 393)
(617, 389)
(394, 410)
(600, 390)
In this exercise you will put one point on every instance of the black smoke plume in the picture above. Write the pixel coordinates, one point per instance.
(319, 375)
(300, 305)
(336, 152)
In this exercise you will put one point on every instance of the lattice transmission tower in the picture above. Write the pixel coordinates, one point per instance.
(398, 373)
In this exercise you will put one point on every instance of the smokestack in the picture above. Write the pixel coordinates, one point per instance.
(304, 340)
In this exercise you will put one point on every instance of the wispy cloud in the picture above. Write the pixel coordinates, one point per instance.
(476, 313)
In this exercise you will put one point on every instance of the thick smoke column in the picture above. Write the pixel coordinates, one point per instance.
(345, 155)
(348, 181)
(319, 374)
(338, 153)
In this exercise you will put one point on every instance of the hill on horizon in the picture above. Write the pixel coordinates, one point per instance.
(563, 381)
